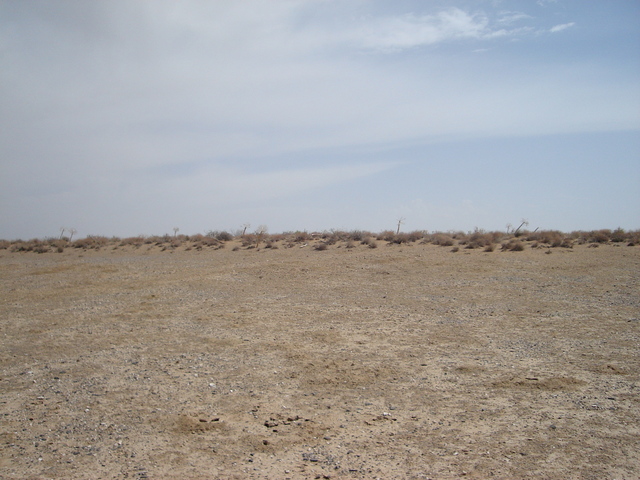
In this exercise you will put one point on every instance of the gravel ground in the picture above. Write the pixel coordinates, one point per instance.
(395, 362)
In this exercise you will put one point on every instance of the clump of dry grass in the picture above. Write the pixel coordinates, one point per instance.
(480, 239)
(386, 235)
(132, 241)
(92, 241)
(270, 243)
(513, 245)
(442, 239)
(220, 235)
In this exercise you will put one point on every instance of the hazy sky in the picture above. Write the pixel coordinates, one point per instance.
(133, 117)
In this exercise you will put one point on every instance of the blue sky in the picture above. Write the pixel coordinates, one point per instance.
(134, 117)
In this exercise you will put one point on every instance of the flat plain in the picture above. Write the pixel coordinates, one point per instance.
(402, 361)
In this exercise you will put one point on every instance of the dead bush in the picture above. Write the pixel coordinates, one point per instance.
(442, 240)
(132, 241)
(400, 238)
(301, 237)
(478, 239)
(618, 235)
(357, 235)
(92, 241)
(386, 236)
(415, 236)
(599, 236)
(513, 246)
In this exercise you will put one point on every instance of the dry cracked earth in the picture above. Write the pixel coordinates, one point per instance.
(407, 362)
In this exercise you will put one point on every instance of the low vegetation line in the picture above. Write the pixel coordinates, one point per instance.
(513, 241)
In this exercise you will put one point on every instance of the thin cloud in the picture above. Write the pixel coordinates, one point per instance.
(508, 18)
(561, 27)
(397, 33)
(408, 31)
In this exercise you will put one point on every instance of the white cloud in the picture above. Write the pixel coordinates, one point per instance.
(508, 18)
(396, 33)
(559, 28)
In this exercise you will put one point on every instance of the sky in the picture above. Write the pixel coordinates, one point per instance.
(123, 118)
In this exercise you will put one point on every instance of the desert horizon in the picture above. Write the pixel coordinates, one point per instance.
(513, 239)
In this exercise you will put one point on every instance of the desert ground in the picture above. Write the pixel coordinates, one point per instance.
(397, 362)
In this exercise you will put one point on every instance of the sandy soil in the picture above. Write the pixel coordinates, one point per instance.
(395, 362)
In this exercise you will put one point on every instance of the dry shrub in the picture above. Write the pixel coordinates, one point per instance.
(618, 235)
(553, 238)
(513, 246)
(479, 239)
(566, 243)
(224, 236)
(372, 244)
(132, 241)
(320, 246)
(249, 239)
(301, 237)
(357, 235)
(633, 237)
(416, 235)
(386, 236)
(220, 235)
(599, 236)
(34, 245)
(455, 249)
(277, 237)
(91, 241)
(442, 239)
(490, 248)
(400, 238)
(208, 242)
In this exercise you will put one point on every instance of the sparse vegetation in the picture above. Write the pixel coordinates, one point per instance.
(514, 241)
